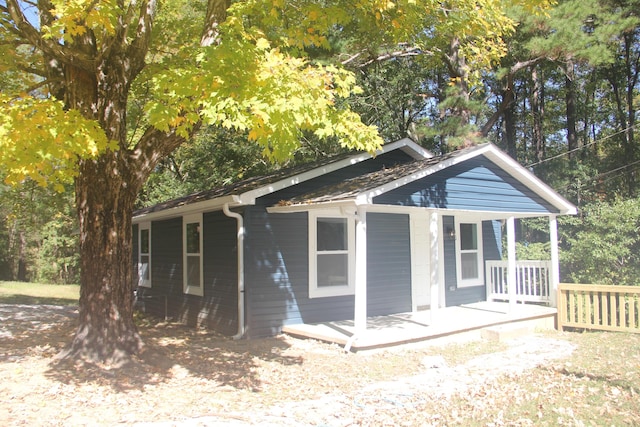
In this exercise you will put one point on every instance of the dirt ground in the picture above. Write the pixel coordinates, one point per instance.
(187, 377)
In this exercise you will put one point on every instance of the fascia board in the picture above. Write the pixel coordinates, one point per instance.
(311, 206)
(204, 206)
(416, 151)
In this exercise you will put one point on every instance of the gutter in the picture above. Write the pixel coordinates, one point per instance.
(240, 237)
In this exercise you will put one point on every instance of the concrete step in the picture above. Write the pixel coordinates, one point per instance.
(501, 333)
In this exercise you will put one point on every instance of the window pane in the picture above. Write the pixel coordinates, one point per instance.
(468, 237)
(144, 241)
(332, 270)
(144, 267)
(332, 234)
(193, 271)
(193, 238)
(469, 267)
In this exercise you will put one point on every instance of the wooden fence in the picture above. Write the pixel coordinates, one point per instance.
(608, 308)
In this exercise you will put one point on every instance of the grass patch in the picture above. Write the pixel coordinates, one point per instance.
(38, 293)
(598, 386)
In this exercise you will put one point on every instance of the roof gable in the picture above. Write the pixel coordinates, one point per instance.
(522, 191)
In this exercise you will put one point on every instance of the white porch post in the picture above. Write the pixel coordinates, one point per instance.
(360, 309)
(511, 259)
(434, 261)
(555, 260)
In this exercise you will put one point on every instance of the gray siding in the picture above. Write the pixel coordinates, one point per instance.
(166, 269)
(477, 184)
(388, 264)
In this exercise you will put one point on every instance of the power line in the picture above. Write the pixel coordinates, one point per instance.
(566, 153)
(600, 175)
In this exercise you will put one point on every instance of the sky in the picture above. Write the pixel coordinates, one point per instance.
(30, 11)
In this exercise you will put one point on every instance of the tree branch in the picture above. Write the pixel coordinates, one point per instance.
(153, 146)
(216, 14)
(402, 53)
(138, 49)
(508, 95)
(49, 48)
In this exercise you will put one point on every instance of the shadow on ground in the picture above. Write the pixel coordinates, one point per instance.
(170, 350)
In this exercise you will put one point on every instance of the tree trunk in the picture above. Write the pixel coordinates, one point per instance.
(106, 331)
(632, 73)
(106, 191)
(459, 70)
(537, 109)
(510, 126)
(21, 274)
(570, 98)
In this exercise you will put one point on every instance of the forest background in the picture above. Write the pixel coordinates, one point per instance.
(562, 101)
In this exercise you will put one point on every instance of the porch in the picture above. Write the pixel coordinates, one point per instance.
(468, 321)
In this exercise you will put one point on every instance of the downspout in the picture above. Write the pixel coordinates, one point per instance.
(240, 237)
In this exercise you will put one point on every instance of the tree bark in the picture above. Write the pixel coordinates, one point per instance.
(632, 72)
(537, 109)
(106, 331)
(510, 123)
(570, 99)
(457, 64)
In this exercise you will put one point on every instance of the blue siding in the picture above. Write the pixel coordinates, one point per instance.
(388, 264)
(449, 254)
(492, 240)
(477, 184)
(277, 275)
(166, 256)
(277, 272)
(217, 309)
(491, 250)
(166, 269)
(134, 254)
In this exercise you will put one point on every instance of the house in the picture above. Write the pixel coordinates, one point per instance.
(347, 238)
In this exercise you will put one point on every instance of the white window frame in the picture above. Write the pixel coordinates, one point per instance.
(189, 289)
(144, 226)
(331, 291)
(476, 281)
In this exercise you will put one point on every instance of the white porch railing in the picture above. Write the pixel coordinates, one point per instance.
(533, 281)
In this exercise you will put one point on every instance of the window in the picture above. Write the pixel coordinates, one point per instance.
(331, 256)
(144, 255)
(192, 248)
(469, 254)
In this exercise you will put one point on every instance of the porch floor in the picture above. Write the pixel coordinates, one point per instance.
(404, 328)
